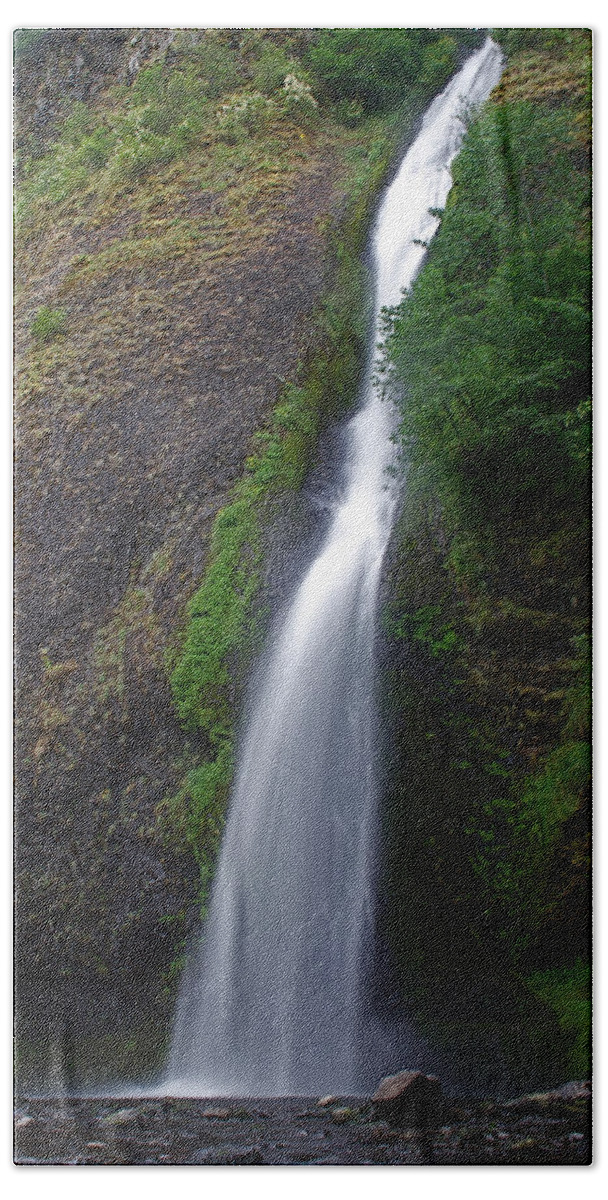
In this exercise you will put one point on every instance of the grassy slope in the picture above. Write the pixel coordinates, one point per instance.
(487, 689)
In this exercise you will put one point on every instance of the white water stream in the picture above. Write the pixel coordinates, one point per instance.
(271, 1002)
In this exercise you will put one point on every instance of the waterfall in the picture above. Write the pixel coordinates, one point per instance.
(271, 1002)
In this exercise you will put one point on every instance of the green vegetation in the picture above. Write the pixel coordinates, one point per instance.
(424, 626)
(271, 68)
(48, 324)
(495, 346)
(382, 68)
(174, 104)
(567, 991)
(488, 691)
(169, 110)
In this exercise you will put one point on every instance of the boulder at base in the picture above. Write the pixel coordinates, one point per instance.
(409, 1098)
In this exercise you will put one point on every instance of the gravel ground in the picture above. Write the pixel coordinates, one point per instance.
(552, 1128)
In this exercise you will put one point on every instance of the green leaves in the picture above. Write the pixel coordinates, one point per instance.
(381, 68)
(567, 991)
(492, 344)
(219, 612)
(426, 626)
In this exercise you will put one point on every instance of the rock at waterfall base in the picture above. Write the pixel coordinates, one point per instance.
(409, 1098)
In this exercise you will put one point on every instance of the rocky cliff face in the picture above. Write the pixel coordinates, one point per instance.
(184, 299)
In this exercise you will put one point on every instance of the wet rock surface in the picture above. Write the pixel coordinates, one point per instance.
(409, 1098)
(545, 1129)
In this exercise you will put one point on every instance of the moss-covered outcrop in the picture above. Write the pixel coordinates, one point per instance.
(486, 681)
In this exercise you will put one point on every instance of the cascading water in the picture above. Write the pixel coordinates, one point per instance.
(271, 1002)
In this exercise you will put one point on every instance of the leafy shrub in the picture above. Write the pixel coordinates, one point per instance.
(427, 627)
(515, 40)
(348, 112)
(95, 150)
(493, 339)
(557, 792)
(567, 991)
(138, 155)
(156, 120)
(216, 63)
(298, 101)
(438, 61)
(196, 814)
(78, 124)
(381, 68)
(169, 99)
(48, 324)
(148, 85)
(243, 116)
(271, 68)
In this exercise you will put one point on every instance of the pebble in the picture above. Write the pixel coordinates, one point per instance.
(227, 1156)
(122, 1117)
